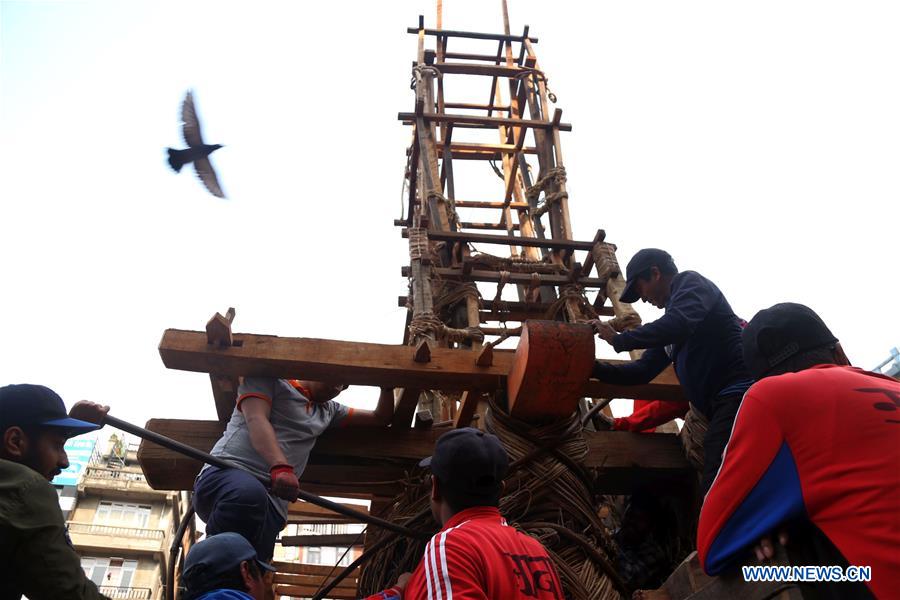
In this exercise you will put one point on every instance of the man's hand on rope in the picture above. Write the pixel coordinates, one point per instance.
(285, 484)
(603, 330)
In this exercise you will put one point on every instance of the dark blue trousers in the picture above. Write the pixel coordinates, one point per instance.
(233, 500)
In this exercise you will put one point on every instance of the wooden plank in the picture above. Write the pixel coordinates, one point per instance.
(315, 580)
(363, 363)
(328, 539)
(478, 69)
(308, 591)
(484, 204)
(354, 363)
(460, 146)
(306, 513)
(486, 238)
(514, 310)
(405, 402)
(347, 461)
(487, 122)
(515, 278)
(469, 56)
(224, 389)
(467, 405)
(308, 569)
(473, 35)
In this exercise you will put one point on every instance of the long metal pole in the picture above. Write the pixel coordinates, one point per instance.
(215, 461)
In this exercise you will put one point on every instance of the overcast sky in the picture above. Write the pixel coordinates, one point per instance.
(758, 143)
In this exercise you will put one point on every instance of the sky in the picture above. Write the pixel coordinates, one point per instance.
(758, 143)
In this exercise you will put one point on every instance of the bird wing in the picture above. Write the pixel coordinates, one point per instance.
(208, 176)
(190, 123)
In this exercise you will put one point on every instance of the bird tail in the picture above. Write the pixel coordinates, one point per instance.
(176, 161)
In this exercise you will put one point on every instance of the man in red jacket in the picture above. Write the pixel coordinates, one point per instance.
(814, 454)
(475, 555)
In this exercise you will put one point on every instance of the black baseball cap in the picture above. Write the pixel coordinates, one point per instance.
(639, 263)
(29, 405)
(216, 556)
(780, 332)
(470, 461)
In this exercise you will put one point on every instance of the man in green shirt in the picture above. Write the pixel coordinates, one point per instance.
(35, 552)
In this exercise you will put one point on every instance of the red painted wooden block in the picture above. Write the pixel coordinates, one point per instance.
(552, 365)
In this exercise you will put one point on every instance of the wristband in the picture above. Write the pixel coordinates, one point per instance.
(280, 468)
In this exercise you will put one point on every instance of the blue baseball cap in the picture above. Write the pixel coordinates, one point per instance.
(640, 263)
(215, 556)
(29, 405)
(469, 460)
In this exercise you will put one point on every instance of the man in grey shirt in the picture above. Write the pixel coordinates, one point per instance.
(272, 430)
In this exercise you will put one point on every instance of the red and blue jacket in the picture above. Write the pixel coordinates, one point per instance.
(820, 446)
(477, 556)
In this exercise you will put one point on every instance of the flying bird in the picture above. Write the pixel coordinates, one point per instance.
(197, 152)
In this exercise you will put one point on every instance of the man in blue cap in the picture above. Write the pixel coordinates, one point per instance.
(225, 567)
(476, 554)
(699, 334)
(35, 551)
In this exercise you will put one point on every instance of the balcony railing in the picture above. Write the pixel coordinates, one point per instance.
(114, 531)
(129, 593)
(113, 474)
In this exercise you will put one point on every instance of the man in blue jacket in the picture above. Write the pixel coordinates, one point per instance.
(699, 333)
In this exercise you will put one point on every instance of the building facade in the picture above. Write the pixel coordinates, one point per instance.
(120, 526)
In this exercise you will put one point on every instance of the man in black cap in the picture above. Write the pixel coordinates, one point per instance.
(815, 453)
(37, 557)
(476, 554)
(225, 567)
(699, 333)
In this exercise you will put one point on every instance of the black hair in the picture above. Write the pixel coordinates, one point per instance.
(459, 500)
(231, 580)
(823, 355)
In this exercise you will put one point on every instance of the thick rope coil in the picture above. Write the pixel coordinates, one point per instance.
(572, 292)
(419, 71)
(605, 259)
(461, 292)
(427, 324)
(549, 200)
(452, 215)
(555, 175)
(504, 279)
(418, 243)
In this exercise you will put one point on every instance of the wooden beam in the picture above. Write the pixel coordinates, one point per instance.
(405, 402)
(354, 363)
(485, 122)
(477, 69)
(514, 310)
(473, 35)
(448, 274)
(363, 363)
(308, 591)
(328, 539)
(304, 512)
(348, 460)
(308, 569)
(504, 240)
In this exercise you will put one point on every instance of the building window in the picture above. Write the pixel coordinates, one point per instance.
(110, 572)
(122, 514)
(313, 555)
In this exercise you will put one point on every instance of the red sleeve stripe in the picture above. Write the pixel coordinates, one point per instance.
(343, 422)
(253, 395)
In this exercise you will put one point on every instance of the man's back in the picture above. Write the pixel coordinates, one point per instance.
(822, 444)
(477, 555)
(33, 545)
